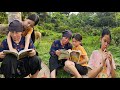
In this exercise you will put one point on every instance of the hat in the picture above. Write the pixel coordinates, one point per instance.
(15, 25)
(67, 33)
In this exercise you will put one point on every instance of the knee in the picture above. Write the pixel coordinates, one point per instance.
(35, 59)
(68, 63)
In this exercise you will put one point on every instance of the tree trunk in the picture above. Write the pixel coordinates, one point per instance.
(14, 15)
(11, 16)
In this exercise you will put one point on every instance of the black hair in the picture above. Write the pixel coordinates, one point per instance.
(34, 17)
(77, 37)
(106, 31)
(33, 36)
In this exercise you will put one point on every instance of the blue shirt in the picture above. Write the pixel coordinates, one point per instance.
(18, 47)
(56, 45)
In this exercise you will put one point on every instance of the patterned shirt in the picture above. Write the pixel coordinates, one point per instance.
(18, 47)
(95, 61)
(57, 45)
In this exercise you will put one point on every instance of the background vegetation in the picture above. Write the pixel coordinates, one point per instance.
(88, 24)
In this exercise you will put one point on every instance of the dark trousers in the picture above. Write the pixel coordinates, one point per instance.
(12, 68)
(54, 63)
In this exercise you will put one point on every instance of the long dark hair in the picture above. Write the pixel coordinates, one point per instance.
(106, 31)
(35, 18)
(77, 37)
(33, 36)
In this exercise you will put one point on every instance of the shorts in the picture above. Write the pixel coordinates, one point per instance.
(83, 70)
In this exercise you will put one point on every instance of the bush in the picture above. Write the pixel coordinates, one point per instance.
(116, 35)
(38, 28)
(49, 26)
(62, 28)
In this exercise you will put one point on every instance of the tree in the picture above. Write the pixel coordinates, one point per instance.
(14, 15)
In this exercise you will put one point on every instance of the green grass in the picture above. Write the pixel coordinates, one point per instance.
(90, 43)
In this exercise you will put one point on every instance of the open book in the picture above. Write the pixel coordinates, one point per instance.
(20, 55)
(73, 55)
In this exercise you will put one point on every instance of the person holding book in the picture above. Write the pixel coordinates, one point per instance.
(55, 52)
(13, 68)
(77, 67)
(101, 61)
(28, 31)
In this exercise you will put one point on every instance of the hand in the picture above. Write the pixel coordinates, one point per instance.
(104, 58)
(109, 57)
(32, 53)
(57, 52)
(2, 55)
(13, 50)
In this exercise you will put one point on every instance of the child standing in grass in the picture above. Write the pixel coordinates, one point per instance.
(28, 32)
(77, 69)
(101, 61)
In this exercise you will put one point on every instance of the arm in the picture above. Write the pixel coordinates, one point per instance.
(112, 63)
(84, 55)
(27, 41)
(96, 69)
(28, 37)
(84, 60)
(53, 49)
(113, 72)
(31, 46)
(94, 72)
(10, 43)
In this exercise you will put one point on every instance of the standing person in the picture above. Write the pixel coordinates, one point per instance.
(28, 31)
(63, 43)
(11, 67)
(101, 61)
(77, 68)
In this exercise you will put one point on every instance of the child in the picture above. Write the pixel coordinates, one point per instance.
(101, 61)
(77, 69)
(28, 32)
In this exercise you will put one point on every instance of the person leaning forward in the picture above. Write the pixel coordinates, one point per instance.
(13, 68)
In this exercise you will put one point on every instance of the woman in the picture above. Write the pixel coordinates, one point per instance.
(101, 61)
(63, 43)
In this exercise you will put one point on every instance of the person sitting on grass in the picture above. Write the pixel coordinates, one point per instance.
(77, 68)
(101, 61)
(54, 63)
(13, 68)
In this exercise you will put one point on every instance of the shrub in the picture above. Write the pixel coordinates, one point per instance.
(116, 35)
(49, 26)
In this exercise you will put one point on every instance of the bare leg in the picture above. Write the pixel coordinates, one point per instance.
(53, 74)
(94, 72)
(71, 67)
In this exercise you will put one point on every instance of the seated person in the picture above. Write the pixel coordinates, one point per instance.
(63, 43)
(13, 68)
(101, 61)
(79, 67)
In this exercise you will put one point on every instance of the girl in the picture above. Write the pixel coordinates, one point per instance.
(77, 69)
(101, 61)
(28, 32)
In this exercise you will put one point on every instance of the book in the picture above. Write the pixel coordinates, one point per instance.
(73, 55)
(19, 55)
